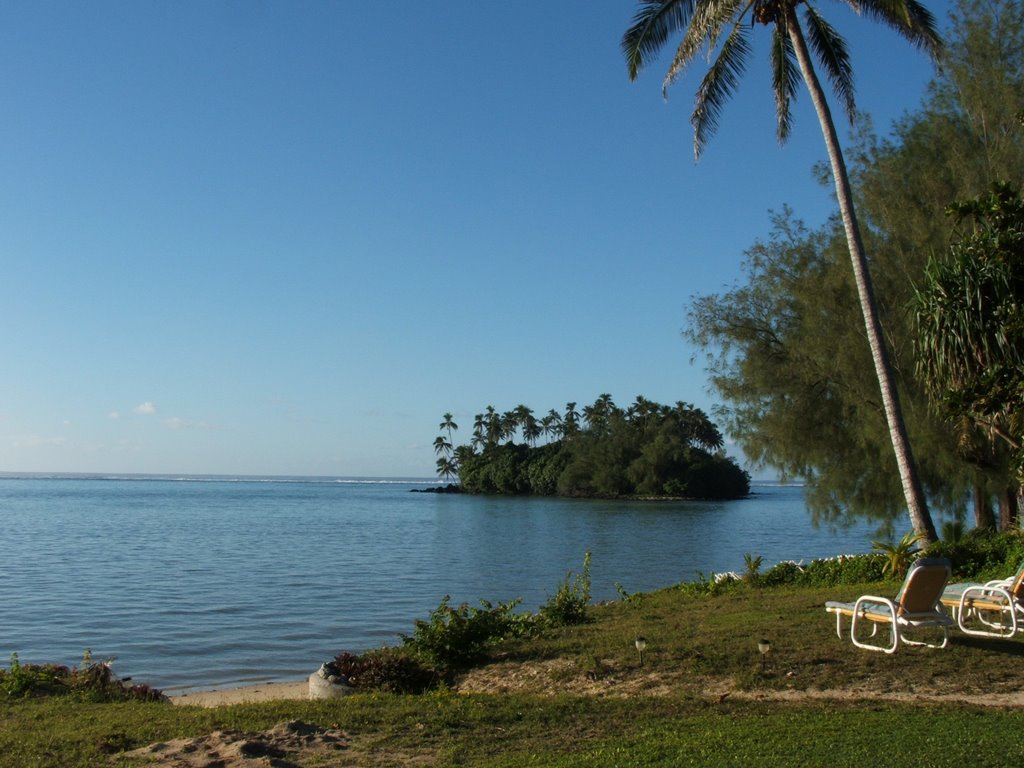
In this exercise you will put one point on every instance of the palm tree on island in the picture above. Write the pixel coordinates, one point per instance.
(706, 23)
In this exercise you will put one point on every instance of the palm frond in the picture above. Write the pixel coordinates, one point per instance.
(652, 25)
(705, 27)
(785, 78)
(718, 85)
(830, 48)
(909, 18)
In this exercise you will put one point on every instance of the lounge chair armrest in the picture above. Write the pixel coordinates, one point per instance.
(985, 590)
(999, 583)
(874, 599)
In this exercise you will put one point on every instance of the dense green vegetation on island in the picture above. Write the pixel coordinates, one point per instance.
(602, 451)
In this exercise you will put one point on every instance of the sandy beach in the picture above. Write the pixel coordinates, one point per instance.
(247, 694)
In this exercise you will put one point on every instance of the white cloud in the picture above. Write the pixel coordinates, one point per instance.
(147, 408)
(35, 441)
(176, 423)
(114, 415)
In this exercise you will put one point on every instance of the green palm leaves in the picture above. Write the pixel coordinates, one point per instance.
(723, 28)
(899, 555)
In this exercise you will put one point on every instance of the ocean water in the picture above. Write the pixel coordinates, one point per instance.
(208, 582)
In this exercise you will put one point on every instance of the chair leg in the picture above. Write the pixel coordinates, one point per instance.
(893, 628)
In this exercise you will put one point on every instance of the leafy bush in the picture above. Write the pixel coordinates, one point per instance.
(710, 585)
(752, 568)
(823, 572)
(899, 556)
(786, 572)
(386, 669)
(953, 531)
(982, 554)
(93, 681)
(545, 465)
(569, 604)
(844, 569)
(454, 638)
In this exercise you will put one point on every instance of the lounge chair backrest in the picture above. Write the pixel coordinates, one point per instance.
(1017, 585)
(923, 586)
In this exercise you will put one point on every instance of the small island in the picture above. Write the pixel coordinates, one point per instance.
(603, 451)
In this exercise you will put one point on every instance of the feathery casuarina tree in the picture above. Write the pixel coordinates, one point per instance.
(729, 22)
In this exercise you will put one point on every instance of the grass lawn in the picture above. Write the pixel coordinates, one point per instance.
(579, 697)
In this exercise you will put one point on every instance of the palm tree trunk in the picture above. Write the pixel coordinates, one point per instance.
(912, 490)
(984, 516)
(1009, 509)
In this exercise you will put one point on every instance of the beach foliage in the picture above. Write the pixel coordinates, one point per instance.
(784, 351)
(752, 567)
(392, 670)
(820, 572)
(970, 321)
(982, 554)
(569, 604)
(453, 638)
(899, 555)
(577, 696)
(604, 451)
(92, 681)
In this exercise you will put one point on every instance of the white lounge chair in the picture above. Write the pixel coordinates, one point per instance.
(916, 606)
(992, 609)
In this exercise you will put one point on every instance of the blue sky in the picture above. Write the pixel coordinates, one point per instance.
(286, 237)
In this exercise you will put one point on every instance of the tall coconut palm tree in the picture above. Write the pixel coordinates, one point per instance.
(448, 424)
(447, 467)
(493, 426)
(730, 22)
(571, 421)
(551, 424)
(479, 430)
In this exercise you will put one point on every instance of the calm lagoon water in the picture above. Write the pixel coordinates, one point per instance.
(204, 582)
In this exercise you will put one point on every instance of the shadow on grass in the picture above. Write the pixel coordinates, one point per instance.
(1006, 646)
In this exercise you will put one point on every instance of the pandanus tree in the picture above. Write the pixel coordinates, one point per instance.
(725, 27)
(970, 321)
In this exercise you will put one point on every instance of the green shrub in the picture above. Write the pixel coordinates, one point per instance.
(455, 638)
(752, 568)
(953, 531)
(982, 554)
(569, 604)
(844, 569)
(900, 555)
(711, 584)
(93, 681)
(823, 572)
(781, 574)
(392, 670)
